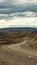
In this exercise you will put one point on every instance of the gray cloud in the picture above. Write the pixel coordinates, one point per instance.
(22, 14)
(7, 8)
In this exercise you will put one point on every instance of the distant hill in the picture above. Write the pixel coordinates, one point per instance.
(18, 29)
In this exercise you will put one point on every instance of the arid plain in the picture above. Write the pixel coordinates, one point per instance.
(18, 48)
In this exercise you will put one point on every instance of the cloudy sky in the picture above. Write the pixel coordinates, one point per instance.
(18, 13)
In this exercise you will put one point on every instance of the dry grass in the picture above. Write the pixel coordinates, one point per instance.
(12, 37)
(18, 37)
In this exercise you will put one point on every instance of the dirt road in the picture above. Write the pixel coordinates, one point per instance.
(17, 47)
(15, 55)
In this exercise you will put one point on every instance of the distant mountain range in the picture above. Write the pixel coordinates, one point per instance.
(18, 29)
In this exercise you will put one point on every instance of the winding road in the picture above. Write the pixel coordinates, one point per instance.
(15, 55)
(17, 47)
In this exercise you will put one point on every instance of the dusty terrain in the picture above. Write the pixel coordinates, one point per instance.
(18, 54)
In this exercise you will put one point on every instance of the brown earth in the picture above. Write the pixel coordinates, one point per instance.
(18, 54)
(14, 57)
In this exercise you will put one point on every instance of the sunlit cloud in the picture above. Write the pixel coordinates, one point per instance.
(19, 22)
(17, 13)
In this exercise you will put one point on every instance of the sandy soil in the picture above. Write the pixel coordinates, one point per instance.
(15, 55)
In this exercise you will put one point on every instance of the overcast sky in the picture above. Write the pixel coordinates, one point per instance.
(18, 13)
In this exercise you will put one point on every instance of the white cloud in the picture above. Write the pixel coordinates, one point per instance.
(18, 1)
(2, 1)
(30, 14)
(23, 1)
(19, 22)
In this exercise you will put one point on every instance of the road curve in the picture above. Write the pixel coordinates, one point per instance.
(17, 47)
